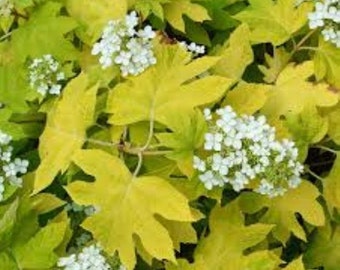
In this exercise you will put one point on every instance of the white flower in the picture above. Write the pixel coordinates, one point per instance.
(4, 138)
(199, 164)
(207, 114)
(213, 141)
(193, 47)
(90, 258)
(122, 45)
(45, 75)
(327, 16)
(243, 149)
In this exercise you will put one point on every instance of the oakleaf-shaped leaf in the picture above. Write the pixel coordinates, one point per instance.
(307, 128)
(327, 62)
(331, 186)
(274, 21)
(93, 15)
(281, 210)
(247, 98)
(65, 130)
(175, 9)
(292, 92)
(274, 64)
(323, 248)
(236, 54)
(14, 89)
(44, 34)
(38, 252)
(223, 248)
(165, 88)
(188, 135)
(127, 206)
(296, 265)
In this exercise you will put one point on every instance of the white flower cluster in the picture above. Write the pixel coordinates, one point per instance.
(45, 75)
(6, 7)
(10, 168)
(90, 258)
(327, 16)
(122, 45)
(243, 148)
(193, 47)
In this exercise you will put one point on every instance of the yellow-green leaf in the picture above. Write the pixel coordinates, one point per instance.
(292, 92)
(93, 15)
(127, 206)
(327, 62)
(331, 186)
(65, 130)
(165, 88)
(223, 248)
(274, 21)
(236, 54)
(247, 98)
(296, 265)
(175, 9)
(281, 210)
(188, 135)
(323, 249)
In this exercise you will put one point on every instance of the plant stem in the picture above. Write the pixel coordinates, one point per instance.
(5, 36)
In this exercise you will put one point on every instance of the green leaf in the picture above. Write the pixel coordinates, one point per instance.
(331, 186)
(188, 135)
(327, 62)
(38, 253)
(281, 210)
(175, 9)
(44, 34)
(7, 222)
(274, 21)
(236, 54)
(165, 88)
(65, 130)
(127, 207)
(147, 7)
(7, 262)
(323, 249)
(224, 247)
(14, 88)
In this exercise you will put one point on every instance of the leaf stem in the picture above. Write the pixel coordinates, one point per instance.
(309, 171)
(5, 36)
(146, 145)
(325, 148)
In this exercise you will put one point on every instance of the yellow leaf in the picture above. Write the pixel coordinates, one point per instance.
(93, 15)
(236, 54)
(174, 11)
(65, 130)
(334, 127)
(274, 21)
(165, 88)
(127, 206)
(292, 92)
(247, 98)
(282, 210)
